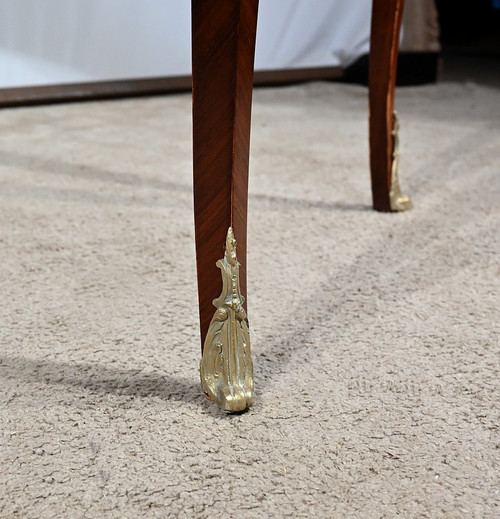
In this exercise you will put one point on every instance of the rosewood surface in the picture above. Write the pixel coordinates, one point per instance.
(223, 35)
(384, 45)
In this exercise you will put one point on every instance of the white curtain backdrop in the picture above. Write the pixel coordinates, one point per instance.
(46, 42)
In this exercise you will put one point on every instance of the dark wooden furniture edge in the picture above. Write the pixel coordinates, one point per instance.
(121, 88)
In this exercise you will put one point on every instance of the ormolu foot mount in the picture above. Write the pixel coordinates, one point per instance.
(226, 367)
(398, 201)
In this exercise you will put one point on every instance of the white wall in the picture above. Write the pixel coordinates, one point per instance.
(66, 41)
(311, 33)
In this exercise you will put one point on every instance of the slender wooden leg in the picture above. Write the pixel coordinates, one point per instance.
(386, 23)
(223, 44)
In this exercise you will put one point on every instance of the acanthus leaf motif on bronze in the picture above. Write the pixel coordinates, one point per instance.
(226, 367)
(398, 201)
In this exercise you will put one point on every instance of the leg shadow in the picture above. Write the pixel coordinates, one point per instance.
(100, 379)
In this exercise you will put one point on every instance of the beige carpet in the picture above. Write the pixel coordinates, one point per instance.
(375, 336)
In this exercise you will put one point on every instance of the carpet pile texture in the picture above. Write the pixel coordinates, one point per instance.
(375, 336)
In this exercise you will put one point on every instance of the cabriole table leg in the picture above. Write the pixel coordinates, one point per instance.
(384, 143)
(223, 45)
